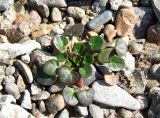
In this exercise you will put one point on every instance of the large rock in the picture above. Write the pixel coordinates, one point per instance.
(13, 111)
(5, 4)
(156, 8)
(145, 17)
(114, 96)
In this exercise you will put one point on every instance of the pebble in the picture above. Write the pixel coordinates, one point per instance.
(152, 83)
(5, 4)
(156, 8)
(82, 110)
(10, 70)
(42, 107)
(10, 51)
(55, 3)
(76, 12)
(45, 41)
(100, 19)
(20, 83)
(125, 21)
(85, 19)
(56, 15)
(7, 99)
(35, 89)
(91, 33)
(9, 79)
(57, 30)
(111, 79)
(96, 111)
(99, 6)
(109, 113)
(25, 58)
(55, 103)
(12, 89)
(3, 39)
(155, 71)
(25, 70)
(57, 87)
(143, 101)
(41, 8)
(64, 114)
(123, 113)
(109, 32)
(26, 100)
(115, 4)
(42, 96)
(114, 96)
(13, 111)
(136, 48)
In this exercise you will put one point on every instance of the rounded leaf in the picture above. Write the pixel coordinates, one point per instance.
(69, 95)
(95, 42)
(78, 47)
(85, 97)
(62, 57)
(50, 67)
(85, 71)
(121, 47)
(67, 76)
(88, 59)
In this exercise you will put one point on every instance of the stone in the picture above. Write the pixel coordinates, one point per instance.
(153, 34)
(156, 8)
(35, 89)
(7, 99)
(125, 21)
(99, 6)
(138, 114)
(146, 3)
(9, 79)
(25, 58)
(123, 113)
(145, 17)
(109, 113)
(151, 84)
(111, 79)
(25, 70)
(57, 87)
(10, 51)
(12, 89)
(64, 114)
(82, 110)
(3, 39)
(42, 96)
(136, 48)
(85, 19)
(114, 96)
(26, 100)
(13, 111)
(55, 103)
(100, 20)
(91, 34)
(155, 71)
(76, 12)
(109, 32)
(143, 101)
(55, 3)
(96, 111)
(41, 8)
(57, 30)
(45, 41)
(115, 4)
(126, 4)
(5, 4)
(56, 15)
(20, 83)
(10, 70)
(154, 110)
(137, 82)
(42, 107)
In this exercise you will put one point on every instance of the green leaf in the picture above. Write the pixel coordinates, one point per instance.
(95, 42)
(60, 43)
(85, 71)
(69, 95)
(121, 47)
(75, 30)
(78, 47)
(85, 97)
(75, 59)
(69, 64)
(105, 55)
(67, 76)
(50, 67)
(62, 57)
(88, 59)
(116, 63)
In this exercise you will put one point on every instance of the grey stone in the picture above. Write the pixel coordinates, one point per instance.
(5, 4)
(57, 87)
(100, 19)
(99, 6)
(96, 111)
(55, 3)
(144, 18)
(143, 101)
(40, 7)
(10, 70)
(136, 48)
(115, 4)
(155, 71)
(45, 41)
(7, 99)
(114, 96)
(64, 114)
(26, 101)
(57, 30)
(35, 89)
(156, 8)
(12, 89)
(42, 96)
(56, 15)
(82, 110)
(25, 70)
(13, 111)
(42, 107)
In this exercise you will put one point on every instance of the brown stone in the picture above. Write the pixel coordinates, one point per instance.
(20, 18)
(125, 22)
(109, 32)
(111, 79)
(153, 35)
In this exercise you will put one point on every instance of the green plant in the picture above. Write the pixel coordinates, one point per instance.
(74, 60)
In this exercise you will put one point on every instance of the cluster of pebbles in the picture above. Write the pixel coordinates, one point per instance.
(27, 31)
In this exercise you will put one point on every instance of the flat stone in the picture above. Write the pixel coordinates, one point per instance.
(42, 96)
(5, 4)
(57, 87)
(26, 101)
(9, 79)
(100, 19)
(13, 111)
(55, 3)
(25, 70)
(114, 96)
(96, 111)
(156, 8)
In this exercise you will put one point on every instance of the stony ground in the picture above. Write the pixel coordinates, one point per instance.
(27, 31)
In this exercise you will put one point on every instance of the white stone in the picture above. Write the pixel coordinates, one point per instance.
(26, 58)
(7, 99)
(76, 12)
(82, 110)
(35, 89)
(96, 111)
(56, 15)
(26, 102)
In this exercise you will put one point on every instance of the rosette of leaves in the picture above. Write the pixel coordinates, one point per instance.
(111, 57)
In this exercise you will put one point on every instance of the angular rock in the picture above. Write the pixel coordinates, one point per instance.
(26, 101)
(35, 89)
(10, 51)
(64, 114)
(143, 101)
(13, 111)
(42, 107)
(5, 4)
(7, 99)
(100, 20)
(56, 15)
(125, 21)
(42, 96)
(99, 6)
(55, 3)
(114, 96)
(76, 12)
(96, 111)
(156, 8)
(82, 110)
